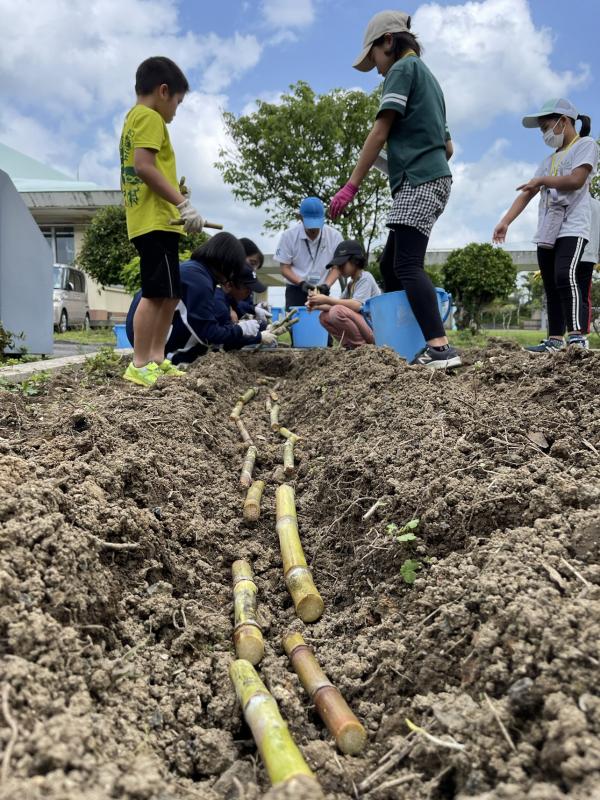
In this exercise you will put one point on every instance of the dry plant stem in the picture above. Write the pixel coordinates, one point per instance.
(275, 417)
(307, 600)
(268, 405)
(247, 635)
(248, 395)
(116, 546)
(288, 459)
(280, 754)
(350, 736)
(252, 502)
(14, 732)
(248, 467)
(501, 725)
(237, 410)
(293, 437)
(372, 510)
(246, 438)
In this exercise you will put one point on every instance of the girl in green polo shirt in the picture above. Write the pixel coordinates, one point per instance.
(411, 121)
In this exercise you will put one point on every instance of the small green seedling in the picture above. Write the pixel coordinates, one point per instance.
(405, 533)
(409, 570)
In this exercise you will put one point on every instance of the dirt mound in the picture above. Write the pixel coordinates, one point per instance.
(121, 516)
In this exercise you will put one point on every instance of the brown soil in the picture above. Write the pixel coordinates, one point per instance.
(115, 661)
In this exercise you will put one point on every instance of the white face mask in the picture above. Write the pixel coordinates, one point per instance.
(552, 139)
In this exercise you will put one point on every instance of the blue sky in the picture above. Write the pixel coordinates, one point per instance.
(67, 73)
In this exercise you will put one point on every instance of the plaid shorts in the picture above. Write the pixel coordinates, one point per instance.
(420, 206)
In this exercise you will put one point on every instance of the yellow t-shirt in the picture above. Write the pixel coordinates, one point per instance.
(144, 209)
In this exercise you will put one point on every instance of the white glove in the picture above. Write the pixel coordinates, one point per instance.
(261, 314)
(250, 328)
(192, 221)
(267, 337)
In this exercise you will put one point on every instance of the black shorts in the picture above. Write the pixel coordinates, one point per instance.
(159, 263)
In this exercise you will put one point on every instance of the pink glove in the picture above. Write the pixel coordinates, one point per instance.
(339, 202)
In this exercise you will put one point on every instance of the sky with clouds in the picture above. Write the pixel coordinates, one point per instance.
(67, 71)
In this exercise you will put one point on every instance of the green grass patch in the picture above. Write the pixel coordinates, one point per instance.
(524, 338)
(93, 336)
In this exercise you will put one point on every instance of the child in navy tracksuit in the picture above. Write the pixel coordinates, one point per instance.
(195, 327)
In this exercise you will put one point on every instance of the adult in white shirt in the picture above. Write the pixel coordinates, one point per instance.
(305, 252)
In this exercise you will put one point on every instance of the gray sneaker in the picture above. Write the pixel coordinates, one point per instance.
(579, 341)
(547, 346)
(437, 359)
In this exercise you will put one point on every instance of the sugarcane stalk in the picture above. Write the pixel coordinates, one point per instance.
(274, 396)
(275, 417)
(247, 636)
(293, 437)
(252, 502)
(280, 754)
(350, 736)
(290, 315)
(248, 467)
(248, 395)
(307, 600)
(246, 438)
(268, 405)
(288, 459)
(236, 410)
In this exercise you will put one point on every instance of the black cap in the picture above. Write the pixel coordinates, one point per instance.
(248, 277)
(346, 250)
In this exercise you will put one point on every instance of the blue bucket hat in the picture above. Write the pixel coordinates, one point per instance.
(312, 212)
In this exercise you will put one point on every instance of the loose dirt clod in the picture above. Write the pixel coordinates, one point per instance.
(118, 660)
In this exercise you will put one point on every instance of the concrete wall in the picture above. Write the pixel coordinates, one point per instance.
(25, 273)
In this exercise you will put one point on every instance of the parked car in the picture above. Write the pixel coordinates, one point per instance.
(71, 308)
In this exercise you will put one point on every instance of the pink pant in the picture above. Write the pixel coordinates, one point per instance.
(346, 325)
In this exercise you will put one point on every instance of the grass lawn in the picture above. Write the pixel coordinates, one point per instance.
(524, 338)
(94, 336)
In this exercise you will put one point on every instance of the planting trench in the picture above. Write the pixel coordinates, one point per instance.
(115, 659)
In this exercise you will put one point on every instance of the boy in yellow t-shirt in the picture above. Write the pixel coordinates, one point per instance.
(152, 198)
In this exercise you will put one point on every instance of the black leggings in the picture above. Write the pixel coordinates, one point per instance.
(403, 267)
(566, 284)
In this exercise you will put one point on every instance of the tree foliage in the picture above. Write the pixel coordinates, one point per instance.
(476, 275)
(595, 187)
(305, 146)
(106, 248)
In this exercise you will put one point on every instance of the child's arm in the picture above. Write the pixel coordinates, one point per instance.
(321, 300)
(521, 202)
(368, 155)
(144, 162)
(564, 183)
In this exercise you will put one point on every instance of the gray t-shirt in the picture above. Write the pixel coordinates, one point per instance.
(362, 289)
(577, 220)
(592, 248)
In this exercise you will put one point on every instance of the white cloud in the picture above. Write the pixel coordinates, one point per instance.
(288, 13)
(481, 192)
(490, 59)
(69, 58)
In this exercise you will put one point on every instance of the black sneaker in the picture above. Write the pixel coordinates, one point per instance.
(437, 359)
(547, 346)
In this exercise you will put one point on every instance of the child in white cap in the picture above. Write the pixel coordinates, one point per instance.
(411, 121)
(564, 224)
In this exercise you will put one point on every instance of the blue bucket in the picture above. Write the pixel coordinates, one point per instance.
(394, 324)
(278, 312)
(121, 334)
(308, 332)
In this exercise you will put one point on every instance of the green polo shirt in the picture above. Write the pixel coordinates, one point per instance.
(416, 145)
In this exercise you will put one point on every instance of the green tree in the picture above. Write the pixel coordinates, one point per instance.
(306, 145)
(595, 187)
(106, 247)
(476, 275)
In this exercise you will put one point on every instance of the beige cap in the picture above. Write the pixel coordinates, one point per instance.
(380, 24)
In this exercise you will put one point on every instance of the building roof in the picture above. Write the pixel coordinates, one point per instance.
(30, 175)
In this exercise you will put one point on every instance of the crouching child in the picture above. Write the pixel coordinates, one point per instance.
(342, 317)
